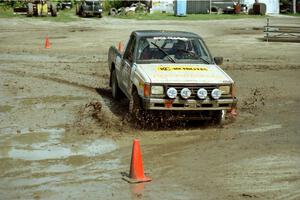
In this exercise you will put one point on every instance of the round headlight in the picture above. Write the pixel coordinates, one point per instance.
(216, 93)
(172, 93)
(185, 93)
(202, 93)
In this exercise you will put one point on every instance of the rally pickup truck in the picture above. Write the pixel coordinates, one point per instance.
(171, 72)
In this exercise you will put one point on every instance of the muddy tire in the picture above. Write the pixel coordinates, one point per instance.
(116, 92)
(218, 117)
(113, 12)
(29, 10)
(100, 15)
(135, 107)
(53, 10)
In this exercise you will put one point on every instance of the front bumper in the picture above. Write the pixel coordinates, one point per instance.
(191, 104)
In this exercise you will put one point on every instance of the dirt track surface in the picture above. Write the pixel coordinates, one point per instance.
(63, 137)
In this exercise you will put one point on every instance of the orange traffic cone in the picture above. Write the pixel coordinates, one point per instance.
(47, 43)
(120, 47)
(136, 169)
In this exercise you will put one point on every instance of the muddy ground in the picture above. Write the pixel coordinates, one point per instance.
(63, 137)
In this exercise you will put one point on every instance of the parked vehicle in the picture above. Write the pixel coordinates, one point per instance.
(172, 72)
(64, 4)
(37, 8)
(86, 8)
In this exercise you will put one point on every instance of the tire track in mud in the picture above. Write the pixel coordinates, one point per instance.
(262, 66)
(294, 195)
(270, 173)
(48, 78)
(109, 116)
(71, 29)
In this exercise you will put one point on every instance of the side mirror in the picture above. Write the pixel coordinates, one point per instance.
(218, 60)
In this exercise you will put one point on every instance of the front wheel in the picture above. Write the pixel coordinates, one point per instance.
(135, 107)
(218, 117)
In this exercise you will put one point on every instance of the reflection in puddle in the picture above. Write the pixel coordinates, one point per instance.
(262, 129)
(137, 190)
(36, 160)
(57, 168)
(50, 146)
(39, 159)
(39, 154)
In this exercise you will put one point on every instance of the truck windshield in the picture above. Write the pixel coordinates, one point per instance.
(91, 3)
(166, 49)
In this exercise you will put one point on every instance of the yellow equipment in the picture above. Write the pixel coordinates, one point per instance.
(41, 8)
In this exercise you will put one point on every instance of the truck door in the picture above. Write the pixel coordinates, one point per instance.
(127, 64)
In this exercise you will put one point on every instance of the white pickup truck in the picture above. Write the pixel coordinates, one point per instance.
(174, 73)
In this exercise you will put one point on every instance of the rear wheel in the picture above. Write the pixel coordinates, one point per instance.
(29, 10)
(116, 92)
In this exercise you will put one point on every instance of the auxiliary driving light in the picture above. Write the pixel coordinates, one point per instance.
(216, 93)
(172, 93)
(185, 93)
(202, 93)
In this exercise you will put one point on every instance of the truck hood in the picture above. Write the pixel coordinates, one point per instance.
(185, 73)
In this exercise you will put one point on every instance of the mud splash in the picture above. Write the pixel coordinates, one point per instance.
(256, 100)
(92, 119)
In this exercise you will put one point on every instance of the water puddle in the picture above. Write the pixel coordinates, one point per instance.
(44, 144)
(50, 158)
(262, 129)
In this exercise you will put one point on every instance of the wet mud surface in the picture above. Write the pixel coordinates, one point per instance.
(62, 136)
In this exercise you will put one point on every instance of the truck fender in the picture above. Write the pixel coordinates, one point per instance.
(132, 73)
(139, 84)
(118, 62)
(133, 80)
(111, 69)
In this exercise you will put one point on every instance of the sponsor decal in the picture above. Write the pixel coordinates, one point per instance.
(171, 38)
(190, 75)
(180, 68)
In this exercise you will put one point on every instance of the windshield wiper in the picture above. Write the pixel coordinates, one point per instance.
(168, 56)
(195, 55)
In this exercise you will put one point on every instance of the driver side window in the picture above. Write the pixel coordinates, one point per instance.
(128, 55)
